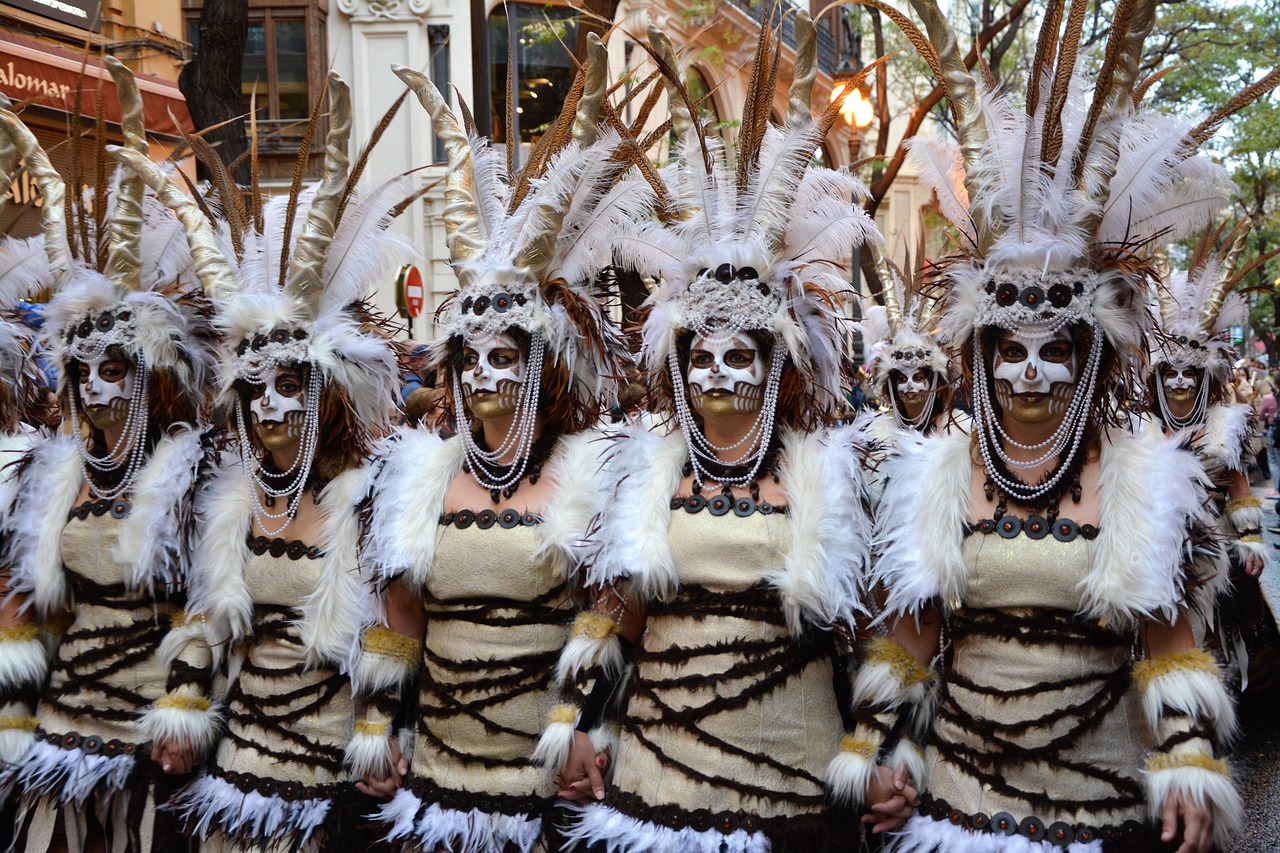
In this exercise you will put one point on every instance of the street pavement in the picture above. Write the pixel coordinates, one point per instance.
(1257, 760)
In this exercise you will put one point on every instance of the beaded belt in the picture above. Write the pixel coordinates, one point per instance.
(1128, 836)
(88, 744)
(247, 783)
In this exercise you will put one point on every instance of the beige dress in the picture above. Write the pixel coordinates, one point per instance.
(277, 780)
(730, 721)
(1038, 726)
(89, 750)
(497, 617)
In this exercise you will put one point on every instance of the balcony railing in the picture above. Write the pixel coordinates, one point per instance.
(827, 59)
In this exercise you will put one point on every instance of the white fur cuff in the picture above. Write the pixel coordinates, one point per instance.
(907, 754)
(23, 658)
(557, 738)
(185, 717)
(17, 732)
(1186, 683)
(1198, 779)
(1250, 546)
(1245, 515)
(849, 774)
(369, 750)
(594, 641)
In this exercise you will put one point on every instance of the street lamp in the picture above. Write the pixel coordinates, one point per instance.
(857, 111)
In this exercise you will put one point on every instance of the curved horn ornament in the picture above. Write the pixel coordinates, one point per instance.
(53, 214)
(210, 264)
(800, 96)
(461, 214)
(124, 255)
(962, 92)
(539, 250)
(1223, 287)
(305, 278)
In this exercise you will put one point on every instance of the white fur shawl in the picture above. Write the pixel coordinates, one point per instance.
(333, 616)
(1151, 491)
(1226, 434)
(821, 579)
(414, 478)
(150, 538)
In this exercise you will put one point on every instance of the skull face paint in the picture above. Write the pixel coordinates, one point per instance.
(279, 407)
(493, 370)
(726, 377)
(912, 392)
(1180, 386)
(1035, 377)
(106, 387)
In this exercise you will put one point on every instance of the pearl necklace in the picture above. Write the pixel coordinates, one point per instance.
(920, 419)
(130, 448)
(486, 465)
(1072, 428)
(1197, 411)
(300, 470)
(757, 438)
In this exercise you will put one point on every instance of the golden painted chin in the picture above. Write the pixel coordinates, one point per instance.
(487, 405)
(276, 436)
(911, 403)
(717, 404)
(1034, 409)
(110, 415)
(1180, 395)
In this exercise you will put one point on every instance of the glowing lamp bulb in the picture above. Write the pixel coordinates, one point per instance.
(857, 109)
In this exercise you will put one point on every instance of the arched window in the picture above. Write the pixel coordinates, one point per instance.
(700, 91)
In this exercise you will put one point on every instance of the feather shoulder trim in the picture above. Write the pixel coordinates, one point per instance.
(49, 484)
(408, 497)
(576, 475)
(1227, 430)
(154, 537)
(642, 471)
(216, 586)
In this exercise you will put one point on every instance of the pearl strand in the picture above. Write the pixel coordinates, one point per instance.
(761, 430)
(302, 464)
(1073, 424)
(1197, 411)
(519, 437)
(129, 450)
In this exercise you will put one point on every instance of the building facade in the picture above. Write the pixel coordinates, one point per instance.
(52, 73)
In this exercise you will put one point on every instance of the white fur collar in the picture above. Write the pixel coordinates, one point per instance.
(1151, 491)
(47, 491)
(415, 475)
(333, 616)
(820, 580)
(1226, 433)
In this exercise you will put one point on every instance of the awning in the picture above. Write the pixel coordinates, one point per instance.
(49, 76)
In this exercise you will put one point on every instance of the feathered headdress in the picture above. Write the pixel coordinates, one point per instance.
(527, 248)
(296, 298)
(900, 334)
(131, 285)
(1052, 201)
(1198, 307)
(753, 248)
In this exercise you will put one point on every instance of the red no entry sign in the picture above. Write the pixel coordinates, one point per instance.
(410, 294)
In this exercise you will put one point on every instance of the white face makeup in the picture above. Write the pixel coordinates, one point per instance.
(492, 372)
(1180, 379)
(912, 391)
(106, 387)
(726, 377)
(1035, 377)
(279, 407)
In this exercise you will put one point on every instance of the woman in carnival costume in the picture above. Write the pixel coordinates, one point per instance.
(1190, 382)
(308, 380)
(1038, 565)
(908, 368)
(729, 552)
(102, 520)
(24, 271)
(474, 538)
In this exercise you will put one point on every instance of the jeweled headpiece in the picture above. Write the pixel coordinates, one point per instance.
(900, 334)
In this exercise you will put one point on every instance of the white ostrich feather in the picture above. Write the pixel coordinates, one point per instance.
(363, 247)
(489, 182)
(941, 168)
